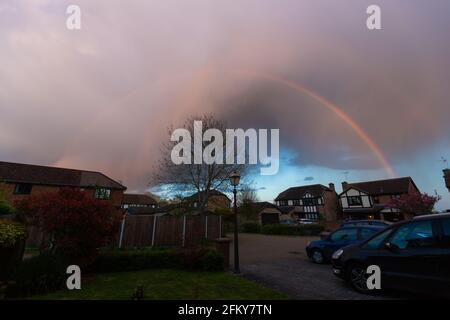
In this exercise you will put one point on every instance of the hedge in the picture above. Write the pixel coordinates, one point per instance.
(250, 227)
(46, 273)
(38, 275)
(132, 260)
(302, 230)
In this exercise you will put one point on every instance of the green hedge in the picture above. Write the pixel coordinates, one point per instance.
(38, 275)
(250, 227)
(190, 259)
(302, 230)
(46, 273)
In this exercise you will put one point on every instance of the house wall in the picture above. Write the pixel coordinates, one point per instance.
(447, 178)
(331, 207)
(8, 190)
(365, 199)
(218, 202)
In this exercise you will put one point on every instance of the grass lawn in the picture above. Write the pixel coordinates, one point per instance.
(167, 284)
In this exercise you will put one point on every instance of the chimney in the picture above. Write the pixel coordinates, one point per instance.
(331, 186)
(447, 178)
(344, 185)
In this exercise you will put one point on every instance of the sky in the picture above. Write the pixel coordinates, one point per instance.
(101, 98)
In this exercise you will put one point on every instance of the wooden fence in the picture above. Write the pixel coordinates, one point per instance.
(168, 231)
(154, 231)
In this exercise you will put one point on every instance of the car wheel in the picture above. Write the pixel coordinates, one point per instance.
(357, 276)
(317, 256)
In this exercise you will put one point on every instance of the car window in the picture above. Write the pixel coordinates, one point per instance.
(414, 235)
(365, 233)
(344, 234)
(446, 229)
(376, 242)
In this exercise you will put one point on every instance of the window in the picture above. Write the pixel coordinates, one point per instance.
(102, 193)
(376, 200)
(296, 202)
(376, 242)
(446, 230)
(414, 235)
(23, 188)
(309, 201)
(354, 201)
(344, 234)
(365, 233)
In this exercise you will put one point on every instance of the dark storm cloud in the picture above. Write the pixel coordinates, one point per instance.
(101, 98)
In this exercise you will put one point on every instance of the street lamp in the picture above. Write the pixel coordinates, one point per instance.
(234, 179)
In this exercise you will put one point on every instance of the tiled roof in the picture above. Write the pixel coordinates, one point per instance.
(294, 193)
(211, 193)
(380, 187)
(43, 175)
(259, 206)
(140, 199)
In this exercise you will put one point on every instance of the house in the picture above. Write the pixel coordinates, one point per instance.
(263, 212)
(216, 200)
(132, 200)
(310, 202)
(447, 178)
(22, 180)
(368, 200)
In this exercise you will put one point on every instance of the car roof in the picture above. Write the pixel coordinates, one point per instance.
(359, 221)
(432, 216)
(363, 227)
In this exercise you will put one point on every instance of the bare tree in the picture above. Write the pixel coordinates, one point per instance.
(247, 195)
(191, 178)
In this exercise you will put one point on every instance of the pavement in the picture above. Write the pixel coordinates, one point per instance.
(281, 263)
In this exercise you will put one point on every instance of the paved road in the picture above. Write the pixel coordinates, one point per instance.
(280, 262)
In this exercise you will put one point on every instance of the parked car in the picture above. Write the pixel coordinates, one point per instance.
(353, 223)
(320, 251)
(306, 221)
(413, 256)
(287, 222)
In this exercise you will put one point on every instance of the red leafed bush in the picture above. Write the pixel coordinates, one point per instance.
(76, 224)
(415, 203)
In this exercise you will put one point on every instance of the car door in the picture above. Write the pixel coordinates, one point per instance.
(410, 259)
(340, 238)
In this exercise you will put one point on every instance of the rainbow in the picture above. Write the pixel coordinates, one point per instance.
(372, 145)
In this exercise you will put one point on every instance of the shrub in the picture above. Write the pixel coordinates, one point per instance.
(11, 233)
(250, 227)
(38, 275)
(303, 230)
(77, 225)
(212, 261)
(5, 207)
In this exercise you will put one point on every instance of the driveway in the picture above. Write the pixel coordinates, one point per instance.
(281, 263)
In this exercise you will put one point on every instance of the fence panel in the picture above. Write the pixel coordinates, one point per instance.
(137, 231)
(169, 231)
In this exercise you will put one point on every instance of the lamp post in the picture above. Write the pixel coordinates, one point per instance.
(234, 179)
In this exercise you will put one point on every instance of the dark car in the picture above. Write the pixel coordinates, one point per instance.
(320, 251)
(354, 223)
(412, 256)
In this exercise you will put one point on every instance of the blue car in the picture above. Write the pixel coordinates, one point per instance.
(320, 251)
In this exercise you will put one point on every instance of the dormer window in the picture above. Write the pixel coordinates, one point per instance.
(102, 194)
(23, 188)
